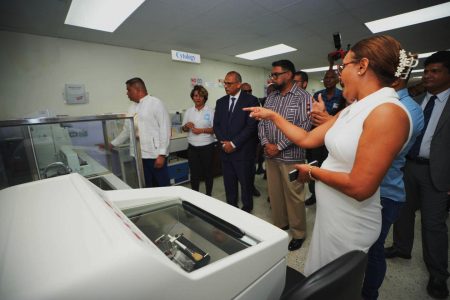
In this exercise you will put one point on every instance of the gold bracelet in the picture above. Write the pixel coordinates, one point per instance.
(309, 173)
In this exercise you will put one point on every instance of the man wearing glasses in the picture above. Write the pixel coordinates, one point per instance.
(237, 133)
(286, 198)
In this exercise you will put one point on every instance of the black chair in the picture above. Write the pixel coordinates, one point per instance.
(340, 279)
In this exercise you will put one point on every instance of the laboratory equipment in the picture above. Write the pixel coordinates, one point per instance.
(158, 243)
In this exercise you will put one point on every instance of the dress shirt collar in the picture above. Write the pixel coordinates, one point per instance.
(403, 93)
(199, 110)
(441, 97)
(236, 96)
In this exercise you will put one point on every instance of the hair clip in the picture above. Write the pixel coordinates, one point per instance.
(405, 64)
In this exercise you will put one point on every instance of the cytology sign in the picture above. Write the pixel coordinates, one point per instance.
(186, 57)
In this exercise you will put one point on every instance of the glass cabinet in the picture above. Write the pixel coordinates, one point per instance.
(34, 149)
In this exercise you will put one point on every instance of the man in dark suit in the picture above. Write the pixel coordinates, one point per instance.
(427, 179)
(237, 133)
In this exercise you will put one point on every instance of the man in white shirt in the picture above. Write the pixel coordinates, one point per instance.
(152, 123)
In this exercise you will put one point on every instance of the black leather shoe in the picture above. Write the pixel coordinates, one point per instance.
(295, 244)
(392, 252)
(285, 227)
(247, 209)
(310, 201)
(256, 193)
(437, 288)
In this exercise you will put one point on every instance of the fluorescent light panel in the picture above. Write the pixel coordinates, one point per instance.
(410, 18)
(423, 55)
(266, 52)
(104, 15)
(417, 71)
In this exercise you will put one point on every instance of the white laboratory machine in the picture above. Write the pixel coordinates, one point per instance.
(65, 238)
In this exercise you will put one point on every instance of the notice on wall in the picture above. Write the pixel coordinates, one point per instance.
(196, 81)
(75, 94)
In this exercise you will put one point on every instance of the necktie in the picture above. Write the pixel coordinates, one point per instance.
(415, 149)
(230, 109)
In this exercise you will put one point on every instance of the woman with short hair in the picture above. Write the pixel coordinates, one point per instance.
(198, 121)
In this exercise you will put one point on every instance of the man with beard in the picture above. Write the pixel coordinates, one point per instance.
(286, 198)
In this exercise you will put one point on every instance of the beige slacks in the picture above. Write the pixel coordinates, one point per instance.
(286, 198)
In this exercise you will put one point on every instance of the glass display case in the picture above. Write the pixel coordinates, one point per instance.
(34, 149)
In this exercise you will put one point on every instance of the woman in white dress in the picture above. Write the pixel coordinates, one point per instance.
(362, 140)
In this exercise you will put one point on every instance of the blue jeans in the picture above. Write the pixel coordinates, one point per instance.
(376, 263)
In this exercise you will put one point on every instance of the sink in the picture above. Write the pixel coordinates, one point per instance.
(102, 183)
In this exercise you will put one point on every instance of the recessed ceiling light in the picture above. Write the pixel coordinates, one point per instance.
(320, 69)
(410, 18)
(266, 52)
(101, 15)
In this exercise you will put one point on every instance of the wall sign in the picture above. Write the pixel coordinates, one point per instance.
(75, 94)
(196, 81)
(186, 57)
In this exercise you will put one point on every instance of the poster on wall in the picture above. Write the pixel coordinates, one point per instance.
(75, 94)
(196, 81)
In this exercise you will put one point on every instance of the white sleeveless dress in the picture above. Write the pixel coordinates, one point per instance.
(342, 223)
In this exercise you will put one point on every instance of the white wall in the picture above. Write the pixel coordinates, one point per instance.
(34, 69)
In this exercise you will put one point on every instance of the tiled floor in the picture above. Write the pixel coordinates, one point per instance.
(405, 279)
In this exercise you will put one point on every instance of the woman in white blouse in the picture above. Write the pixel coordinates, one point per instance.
(198, 121)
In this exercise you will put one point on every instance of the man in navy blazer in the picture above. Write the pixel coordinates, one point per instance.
(237, 133)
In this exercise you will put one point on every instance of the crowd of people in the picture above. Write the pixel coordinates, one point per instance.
(381, 154)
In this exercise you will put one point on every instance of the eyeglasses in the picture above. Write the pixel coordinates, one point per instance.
(276, 75)
(341, 68)
(228, 83)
